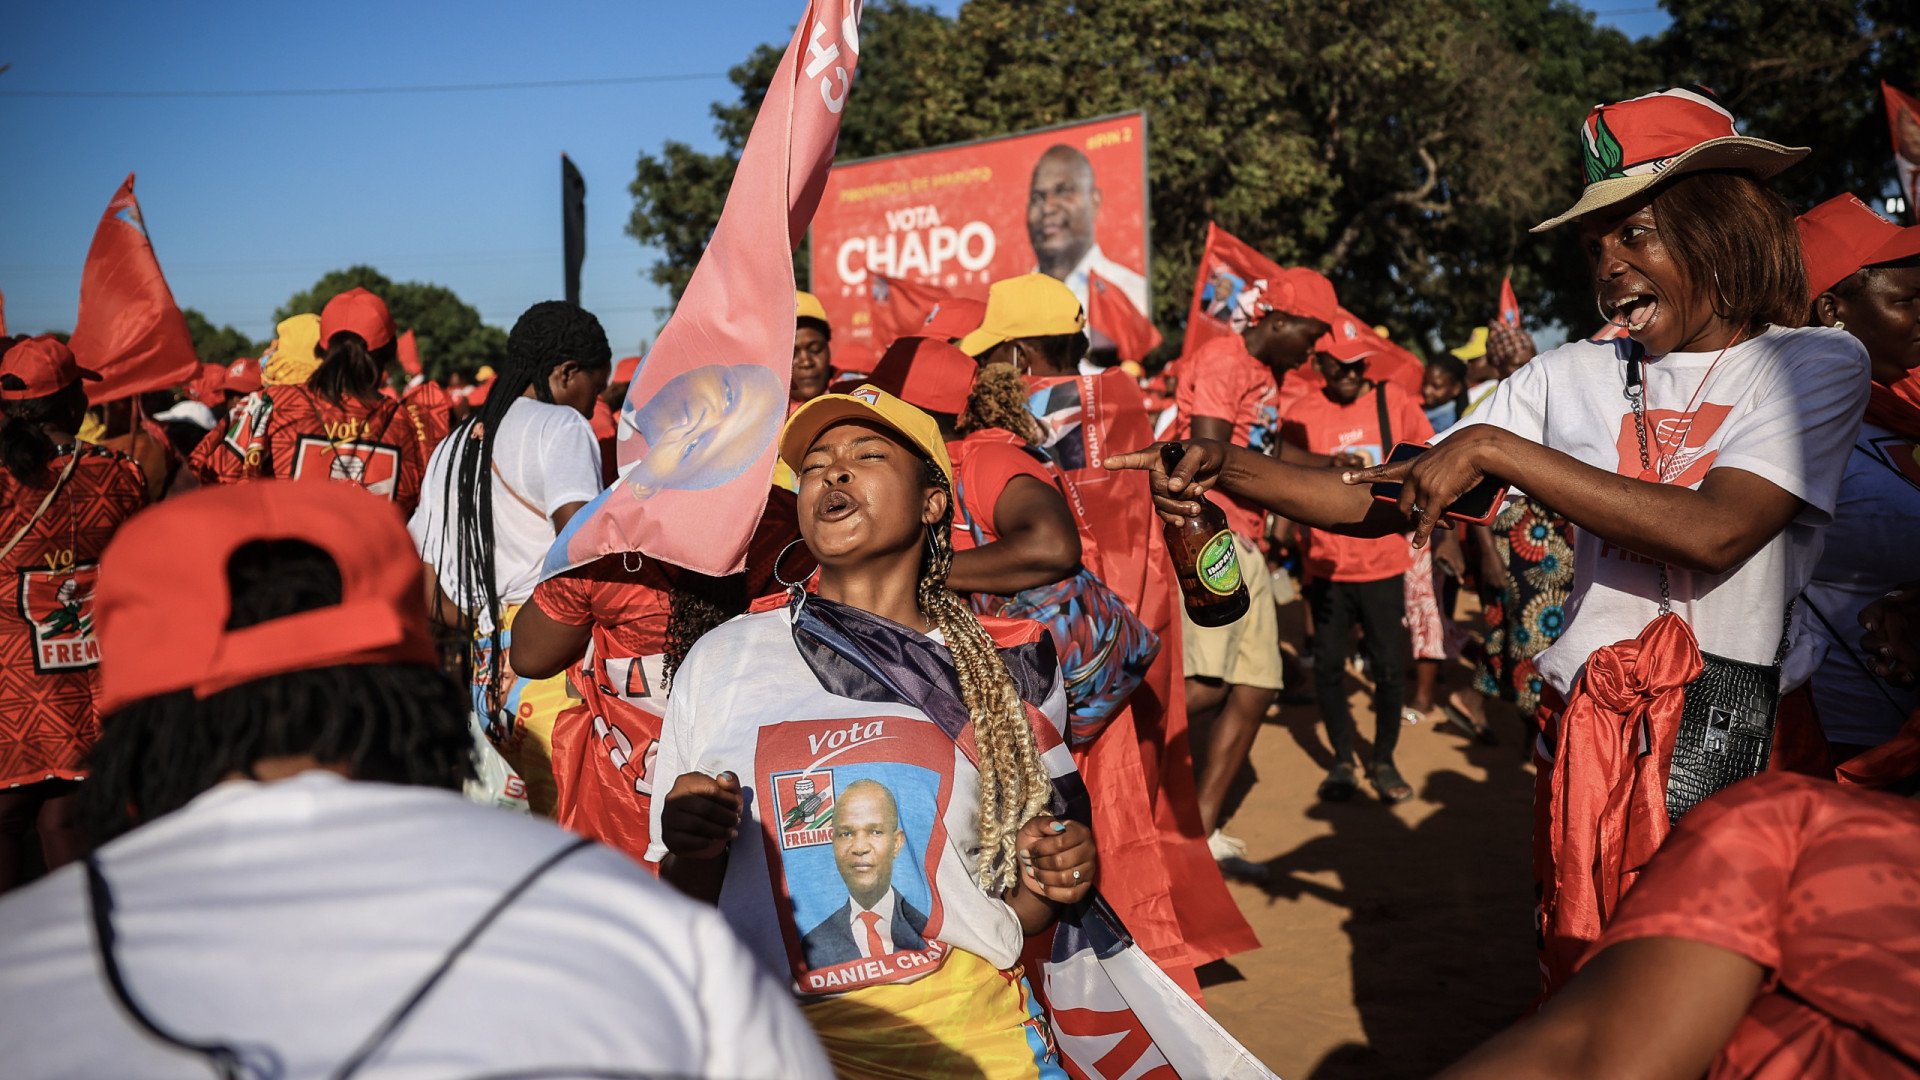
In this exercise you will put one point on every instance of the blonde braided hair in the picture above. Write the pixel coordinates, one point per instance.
(1014, 785)
(999, 400)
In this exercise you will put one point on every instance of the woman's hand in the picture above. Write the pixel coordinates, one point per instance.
(1892, 640)
(701, 815)
(1057, 859)
(1436, 479)
(1176, 495)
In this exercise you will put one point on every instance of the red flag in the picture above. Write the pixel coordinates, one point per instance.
(3, 314)
(1903, 123)
(900, 308)
(1110, 312)
(691, 493)
(1509, 303)
(129, 329)
(1227, 266)
(409, 354)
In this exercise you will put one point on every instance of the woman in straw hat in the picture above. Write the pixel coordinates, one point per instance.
(1700, 457)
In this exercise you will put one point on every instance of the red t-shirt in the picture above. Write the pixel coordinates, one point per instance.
(1820, 885)
(291, 432)
(1224, 381)
(48, 653)
(1320, 424)
(985, 462)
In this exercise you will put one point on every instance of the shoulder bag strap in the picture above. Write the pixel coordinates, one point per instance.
(960, 498)
(1386, 422)
(41, 511)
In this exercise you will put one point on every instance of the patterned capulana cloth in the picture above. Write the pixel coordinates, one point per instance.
(1523, 620)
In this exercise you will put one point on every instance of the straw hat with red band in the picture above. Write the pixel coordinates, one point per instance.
(926, 374)
(1629, 146)
(39, 366)
(162, 601)
(359, 312)
(1843, 235)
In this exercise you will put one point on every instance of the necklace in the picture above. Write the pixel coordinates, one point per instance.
(1656, 476)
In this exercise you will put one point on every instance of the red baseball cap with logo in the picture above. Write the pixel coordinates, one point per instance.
(243, 377)
(1629, 146)
(1297, 291)
(954, 318)
(360, 312)
(926, 373)
(208, 385)
(1843, 234)
(1348, 341)
(162, 601)
(39, 366)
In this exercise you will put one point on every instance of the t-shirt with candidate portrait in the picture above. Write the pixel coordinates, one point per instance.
(1820, 886)
(544, 457)
(1321, 425)
(293, 433)
(1784, 406)
(48, 652)
(854, 868)
(1224, 381)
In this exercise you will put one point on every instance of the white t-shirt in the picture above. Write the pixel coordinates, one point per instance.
(544, 457)
(1872, 546)
(746, 701)
(296, 916)
(1784, 406)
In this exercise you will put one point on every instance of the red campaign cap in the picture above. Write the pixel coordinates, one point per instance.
(623, 371)
(43, 364)
(1843, 234)
(360, 312)
(926, 373)
(1299, 292)
(954, 318)
(1348, 341)
(208, 385)
(243, 377)
(161, 602)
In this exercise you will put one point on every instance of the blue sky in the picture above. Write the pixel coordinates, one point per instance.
(249, 200)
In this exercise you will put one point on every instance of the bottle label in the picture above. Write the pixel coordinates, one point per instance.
(1218, 566)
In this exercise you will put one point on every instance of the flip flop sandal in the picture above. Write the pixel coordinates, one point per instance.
(1482, 734)
(1340, 784)
(1391, 786)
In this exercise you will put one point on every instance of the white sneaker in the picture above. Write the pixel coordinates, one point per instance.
(1223, 847)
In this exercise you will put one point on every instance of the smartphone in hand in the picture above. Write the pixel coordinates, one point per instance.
(1476, 507)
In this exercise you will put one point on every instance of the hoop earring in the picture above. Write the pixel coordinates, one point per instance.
(796, 590)
(1839, 324)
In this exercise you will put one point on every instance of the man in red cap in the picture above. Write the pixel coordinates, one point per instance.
(1228, 390)
(1356, 422)
(338, 425)
(60, 502)
(289, 873)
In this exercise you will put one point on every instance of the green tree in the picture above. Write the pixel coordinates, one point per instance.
(217, 345)
(447, 329)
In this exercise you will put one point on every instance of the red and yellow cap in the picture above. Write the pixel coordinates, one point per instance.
(359, 312)
(865, 402)
(1843, 234)
(927, 374)
(162, 601)
(1629, 146)
(39, 366)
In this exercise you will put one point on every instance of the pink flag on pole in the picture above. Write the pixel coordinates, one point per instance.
(698, 429)
(1509, 303)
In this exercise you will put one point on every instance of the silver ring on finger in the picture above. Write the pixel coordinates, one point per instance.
(1417, 511)
(1076, 875)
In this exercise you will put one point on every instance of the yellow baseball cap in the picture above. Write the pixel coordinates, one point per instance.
(870, 403)
(808, 306)
(1476, 346)
(1031, 305)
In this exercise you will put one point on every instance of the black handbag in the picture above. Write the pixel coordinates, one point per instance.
(1726, 721)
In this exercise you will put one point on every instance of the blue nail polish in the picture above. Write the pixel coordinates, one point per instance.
(1059, 826)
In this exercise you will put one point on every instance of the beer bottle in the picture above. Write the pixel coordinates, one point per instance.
(1204, 559)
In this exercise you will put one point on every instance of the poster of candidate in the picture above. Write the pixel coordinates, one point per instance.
(1064, 201)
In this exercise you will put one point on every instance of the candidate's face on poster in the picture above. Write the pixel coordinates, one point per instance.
(866, 839)
(1062, 203)
(705, 426)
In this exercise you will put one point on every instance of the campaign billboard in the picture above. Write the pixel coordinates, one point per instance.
(1063, 200)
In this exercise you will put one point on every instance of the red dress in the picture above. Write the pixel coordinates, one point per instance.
(48, 653)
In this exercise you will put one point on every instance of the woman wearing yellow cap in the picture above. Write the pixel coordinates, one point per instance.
(871, 782)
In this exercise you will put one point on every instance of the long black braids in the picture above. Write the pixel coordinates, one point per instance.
(547, 335)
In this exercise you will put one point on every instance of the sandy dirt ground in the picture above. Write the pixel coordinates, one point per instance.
(1395, 939)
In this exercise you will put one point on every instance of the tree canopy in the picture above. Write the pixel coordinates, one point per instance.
(447, 329)
(217, 345)
(1404, 147)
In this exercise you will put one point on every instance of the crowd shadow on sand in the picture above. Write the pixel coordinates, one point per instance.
(1439, 913)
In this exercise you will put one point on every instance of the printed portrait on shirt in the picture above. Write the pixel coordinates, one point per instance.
(704, 427)
(852, 818)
